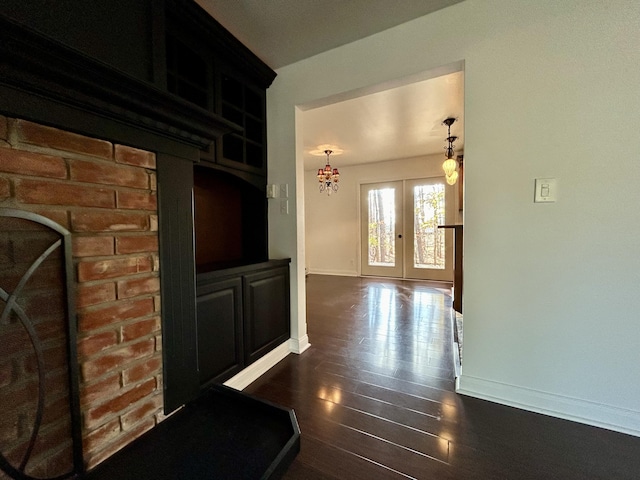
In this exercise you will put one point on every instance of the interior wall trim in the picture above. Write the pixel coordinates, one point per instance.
(299, 345)
(568, 408)
(340, 273)
(254, 371)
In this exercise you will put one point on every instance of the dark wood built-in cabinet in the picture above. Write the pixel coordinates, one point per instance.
(242, 298)
(246, 311)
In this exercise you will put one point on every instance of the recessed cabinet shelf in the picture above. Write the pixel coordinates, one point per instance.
(187, 73)
(245, 105)
(206, 77)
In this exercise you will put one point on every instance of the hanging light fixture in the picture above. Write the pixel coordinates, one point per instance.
(450, 165)
(328, 177)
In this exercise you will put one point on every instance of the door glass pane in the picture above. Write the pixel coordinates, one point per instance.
(382, 227)
(428, 239)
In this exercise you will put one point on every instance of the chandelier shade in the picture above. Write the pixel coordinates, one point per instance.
(451, 179)
(449, 166)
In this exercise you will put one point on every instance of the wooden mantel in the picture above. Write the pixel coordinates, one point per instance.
(457, 268)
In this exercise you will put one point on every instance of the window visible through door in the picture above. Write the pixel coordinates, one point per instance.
(399, 229)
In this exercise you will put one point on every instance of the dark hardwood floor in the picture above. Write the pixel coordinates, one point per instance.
(374, 396)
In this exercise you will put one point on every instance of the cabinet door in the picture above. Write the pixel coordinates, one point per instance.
(219, 323)
(266, 312)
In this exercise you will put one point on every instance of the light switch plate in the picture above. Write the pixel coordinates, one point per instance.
(273, 191)
(546, 190)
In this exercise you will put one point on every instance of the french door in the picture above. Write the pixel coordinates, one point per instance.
(399, 229)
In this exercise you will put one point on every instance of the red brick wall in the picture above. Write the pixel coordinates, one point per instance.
(105, 195)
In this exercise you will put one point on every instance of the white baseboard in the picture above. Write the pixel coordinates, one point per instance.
(340, 273)
(299, 345)
(456, 360)
(568, 408)
(254, 371)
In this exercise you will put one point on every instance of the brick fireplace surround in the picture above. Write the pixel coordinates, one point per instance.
(105, 194)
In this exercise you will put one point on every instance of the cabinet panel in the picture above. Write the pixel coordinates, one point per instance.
(117, 32)
(175, 181)
(219, 324)
(266, 314)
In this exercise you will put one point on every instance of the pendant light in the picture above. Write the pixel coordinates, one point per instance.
(450, 165)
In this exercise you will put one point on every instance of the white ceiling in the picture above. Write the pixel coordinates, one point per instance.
(400, 122)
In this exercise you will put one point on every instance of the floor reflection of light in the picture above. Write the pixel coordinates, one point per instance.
(414, 312)
(446, 434)
(382, 306)
(449, 411)
(426, 349)
(443, 444)
(446, 447)
(331, 397)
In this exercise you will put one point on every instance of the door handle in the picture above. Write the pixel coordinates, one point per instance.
(399, 236)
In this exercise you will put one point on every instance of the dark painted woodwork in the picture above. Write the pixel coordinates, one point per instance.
(458, 275)
(46, 81)
(374, 396)
(215, 72)
(117, 32)
(219, 326)
(222, 199)
(246, 314)
(205, 330)
(190, 17)
(224, 434)
(244, 104)
(179, 337)
(266, 311)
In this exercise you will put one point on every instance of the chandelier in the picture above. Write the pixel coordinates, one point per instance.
(328, 177)
(450, 165)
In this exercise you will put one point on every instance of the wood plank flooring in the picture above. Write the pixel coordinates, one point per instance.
(374, 396)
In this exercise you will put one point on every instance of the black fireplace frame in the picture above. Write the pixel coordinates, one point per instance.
(65, 243)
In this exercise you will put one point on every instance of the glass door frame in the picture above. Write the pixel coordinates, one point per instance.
(410, 271)
(397, 270)
(404, 236)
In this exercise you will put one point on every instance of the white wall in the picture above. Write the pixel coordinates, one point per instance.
(332, 232)
(552, 89)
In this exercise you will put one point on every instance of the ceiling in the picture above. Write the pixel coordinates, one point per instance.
(282, 32)
(401, 122)
(395, 122)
